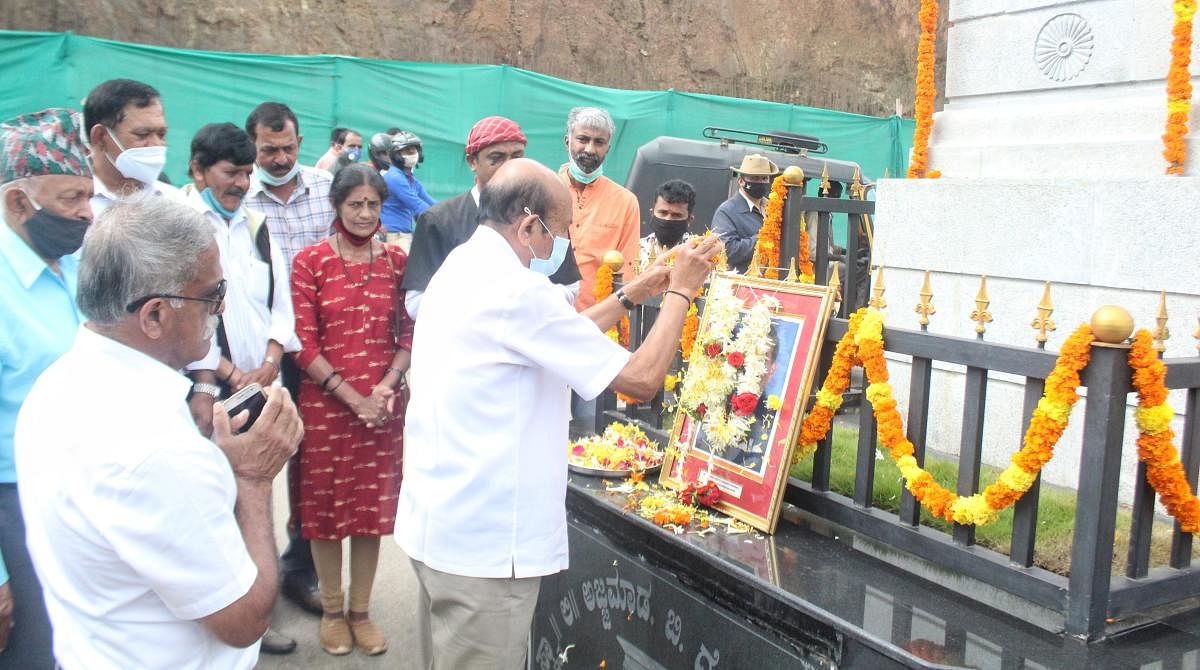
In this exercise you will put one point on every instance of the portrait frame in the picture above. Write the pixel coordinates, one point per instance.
(752, 475)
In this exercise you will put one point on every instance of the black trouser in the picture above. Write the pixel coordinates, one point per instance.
(298, 556)
(31, 642)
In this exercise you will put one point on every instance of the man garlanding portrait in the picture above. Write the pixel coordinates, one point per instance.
(155, 545)
(482, 502)
(46, 188)
(441, 228)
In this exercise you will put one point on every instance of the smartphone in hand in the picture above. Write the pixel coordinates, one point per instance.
(250, 398)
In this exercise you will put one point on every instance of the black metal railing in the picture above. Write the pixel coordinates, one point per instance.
(1090, 595)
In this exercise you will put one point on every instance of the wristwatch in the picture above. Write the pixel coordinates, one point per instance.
(624, 299)
(211, 389)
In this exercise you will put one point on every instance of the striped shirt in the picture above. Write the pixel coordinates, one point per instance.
(304, 219)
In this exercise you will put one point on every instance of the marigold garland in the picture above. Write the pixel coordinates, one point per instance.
(1155, 448)
(691, 325)
(863, 345)
(602, 289)
(767, 249)
(1179, 87)
(923, 105)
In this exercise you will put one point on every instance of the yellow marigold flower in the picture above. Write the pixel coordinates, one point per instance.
(773, 402)
(973, 510)
(1057, 411)
(878, 391)
(1017, 478)
(1155, 419)
(829, 399)
(670, 382)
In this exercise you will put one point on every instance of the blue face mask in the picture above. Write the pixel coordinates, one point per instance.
(584, 177)
(215, 205)
(268, 178)
(558, 254)
(353, 155)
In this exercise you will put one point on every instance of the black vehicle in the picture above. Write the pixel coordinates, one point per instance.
(705, 164)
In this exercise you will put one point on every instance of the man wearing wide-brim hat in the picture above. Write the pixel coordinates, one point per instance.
(739, 218)
(45, 194)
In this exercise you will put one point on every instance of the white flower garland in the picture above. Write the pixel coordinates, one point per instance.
(711, 381)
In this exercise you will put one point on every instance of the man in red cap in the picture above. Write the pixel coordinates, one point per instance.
(491, 142)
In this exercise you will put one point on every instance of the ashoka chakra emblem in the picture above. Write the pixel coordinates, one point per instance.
(1064, 47)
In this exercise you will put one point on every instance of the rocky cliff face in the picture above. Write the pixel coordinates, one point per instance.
(857, 56)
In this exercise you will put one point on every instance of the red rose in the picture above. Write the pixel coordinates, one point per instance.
(708, 495)
(736, 359)
(701, 409)
(744, 403)
(712, 349)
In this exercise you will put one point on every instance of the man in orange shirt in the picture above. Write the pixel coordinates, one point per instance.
(605, 215)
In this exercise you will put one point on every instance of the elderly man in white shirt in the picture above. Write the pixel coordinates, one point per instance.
(126, 131)
(482, 500)
(155, 545)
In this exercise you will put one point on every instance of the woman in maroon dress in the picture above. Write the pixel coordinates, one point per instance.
(355, 338)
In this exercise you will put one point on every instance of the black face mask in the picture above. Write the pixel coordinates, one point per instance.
(668, 232)
(757, 189)
(53, 235)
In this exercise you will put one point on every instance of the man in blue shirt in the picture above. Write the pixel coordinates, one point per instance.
(45, 202)
(738, 219)
(406, 196)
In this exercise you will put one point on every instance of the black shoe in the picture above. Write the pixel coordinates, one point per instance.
(277, 643)
(300, 587)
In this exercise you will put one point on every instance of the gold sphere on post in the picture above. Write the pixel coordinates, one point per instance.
(793, 175)
(614, 259)
(1112, 324)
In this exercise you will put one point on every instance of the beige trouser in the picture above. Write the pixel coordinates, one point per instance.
(403, 240)
(473, 623)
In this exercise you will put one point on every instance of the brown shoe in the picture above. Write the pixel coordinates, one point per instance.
(336, 638)
(367, 636)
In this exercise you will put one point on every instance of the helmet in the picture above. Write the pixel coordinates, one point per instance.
(378, 149)
(403, 140)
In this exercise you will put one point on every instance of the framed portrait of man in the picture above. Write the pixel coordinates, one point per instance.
(742, 397)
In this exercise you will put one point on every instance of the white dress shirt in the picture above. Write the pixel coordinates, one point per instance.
(102, 198)
(485, 446)
(129, 514)
(249, 324)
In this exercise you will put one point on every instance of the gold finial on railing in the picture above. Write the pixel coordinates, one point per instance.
(754, 270)
(652, 256)
(824, 190)
(792, 275)
(857, 190)
(835, 283)
(981, 316)
(1161, 333)
(1042, 323)
(925, 307)
(887, 174)
(877, 289)
(722, 261)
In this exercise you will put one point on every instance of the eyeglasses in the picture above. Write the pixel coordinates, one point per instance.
(214, 299)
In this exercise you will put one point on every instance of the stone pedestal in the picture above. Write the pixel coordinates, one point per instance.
(1051, 151)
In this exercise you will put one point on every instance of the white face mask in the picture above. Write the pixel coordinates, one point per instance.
(410, 161)
(141, 163)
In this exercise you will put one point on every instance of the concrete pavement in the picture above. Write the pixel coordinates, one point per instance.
(393, 607)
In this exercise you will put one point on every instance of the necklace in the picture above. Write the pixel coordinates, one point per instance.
(337, 241)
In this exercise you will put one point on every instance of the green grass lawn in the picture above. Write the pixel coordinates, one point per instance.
(1056, 509)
